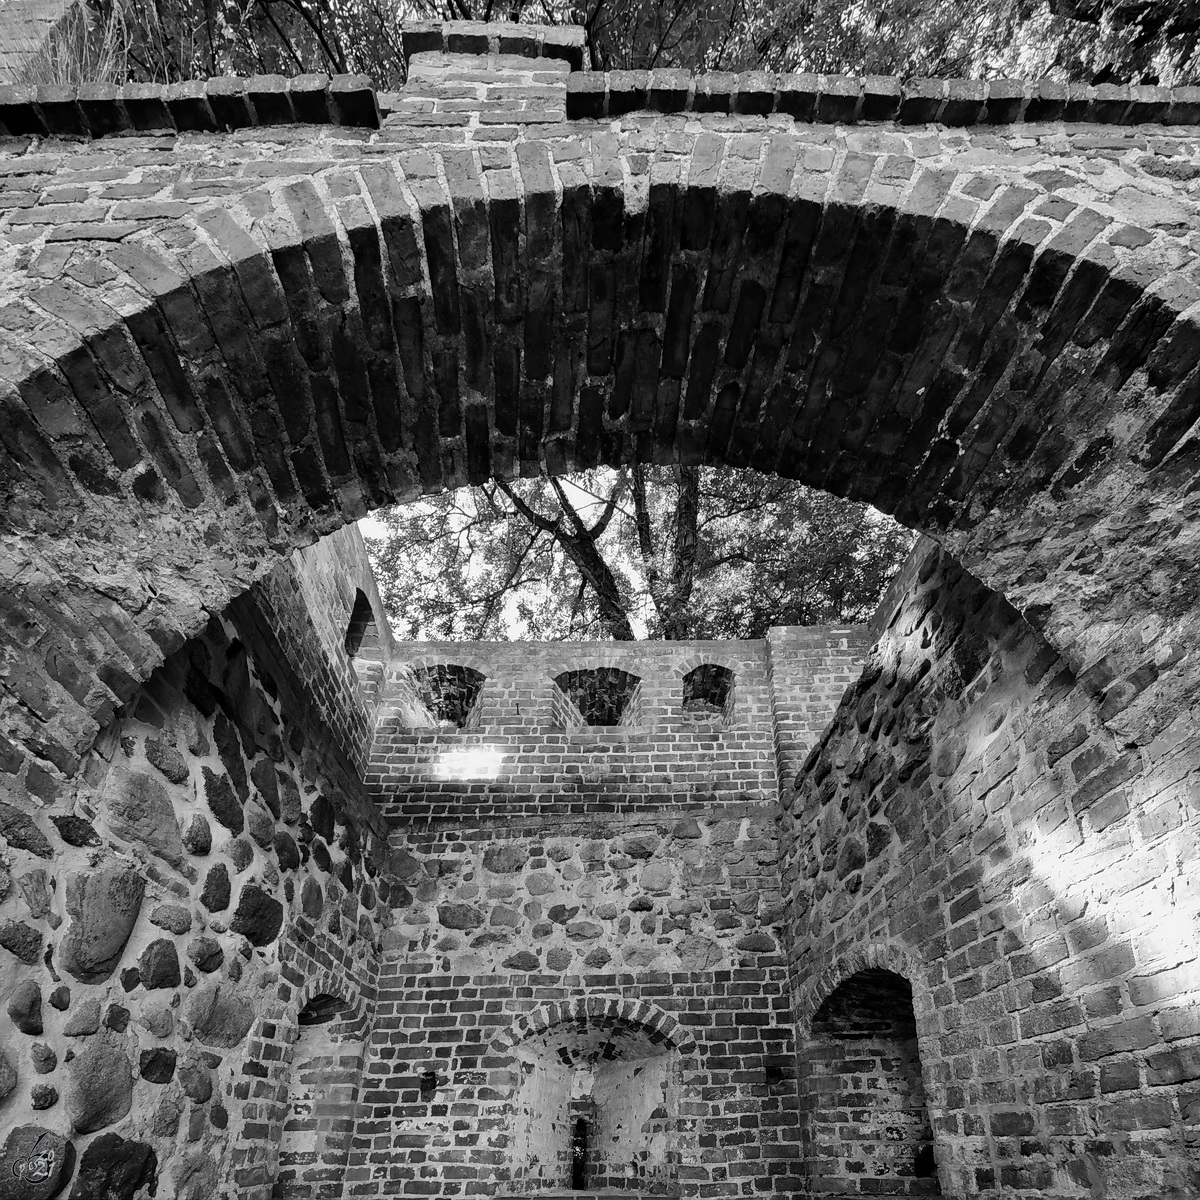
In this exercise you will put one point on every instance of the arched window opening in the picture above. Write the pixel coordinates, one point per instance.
(598, 696)
(320, 1009)
(451, 694)
(708, 693)
(861, 1093)
(326, 1070)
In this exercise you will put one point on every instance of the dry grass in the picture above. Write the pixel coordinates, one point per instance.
(83, 48)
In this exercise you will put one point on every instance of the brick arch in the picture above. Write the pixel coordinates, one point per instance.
(708, 657)
(884, 956)
(942, 334)
(639, 1014)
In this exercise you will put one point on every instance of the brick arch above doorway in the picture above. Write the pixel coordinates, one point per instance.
(598, 1012)
(989, 334)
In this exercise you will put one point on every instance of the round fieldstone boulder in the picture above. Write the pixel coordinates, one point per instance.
(851, 858)
(116, 1168)
(103, 906)
(196, 1081)
(584, 931)
(157, 1065)
(159, 965)
(195, 1178)
(174, 918)
(139, 810)
(43, 1096)
(262, 775)
(223, 802)
(25, 1007)
(99, 1087)
(559, 959)
(639, 845)
(21, 940)
(84, 1020)
(35, 1164)
(321, 818)
(116, 1018)
(164, 1122)
(43, 1058)
(197, 835)
(312, 900)
(167, 759)
(657, 877)
(157, 1020)
(260, 825)
(522, 961)
(320, 855)
(758, 943)
(75, 831)
(60, 998)
(459, 916)
(286, 851)
(215, 893)
(206, 953)
(258, 917)
(18, 829)
(8, 1076)
(219, 1017)
(289, 801)
(699, 953)
(241, 854)
(506, 858)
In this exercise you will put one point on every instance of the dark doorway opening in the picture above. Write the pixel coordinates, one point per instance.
(579, 1154)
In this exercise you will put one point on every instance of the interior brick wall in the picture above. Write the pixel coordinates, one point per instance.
(968, 821)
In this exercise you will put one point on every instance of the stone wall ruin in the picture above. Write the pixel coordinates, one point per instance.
(236, 317)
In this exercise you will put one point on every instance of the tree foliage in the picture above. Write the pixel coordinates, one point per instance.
(658, 552)
(1124, 41)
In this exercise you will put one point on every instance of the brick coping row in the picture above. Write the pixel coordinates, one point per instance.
(234, 102)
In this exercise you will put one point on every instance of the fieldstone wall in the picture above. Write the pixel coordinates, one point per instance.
(974, 306)
(545, 860)
(163, 922)
(968, 822)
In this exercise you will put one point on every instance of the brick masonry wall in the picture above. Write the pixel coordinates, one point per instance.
(215, 348)
(550, 864)
(526, 756)
(969, 822)
(516, 290)
(680, 914)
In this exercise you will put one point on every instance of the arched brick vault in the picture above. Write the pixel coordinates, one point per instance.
(990, 334)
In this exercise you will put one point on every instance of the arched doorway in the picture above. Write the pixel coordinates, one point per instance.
(327, 1059)
(596, 1105)
(864, 1120)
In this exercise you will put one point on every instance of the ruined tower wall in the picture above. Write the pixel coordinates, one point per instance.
(969, 823)
(164, 922)
(634, 865)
